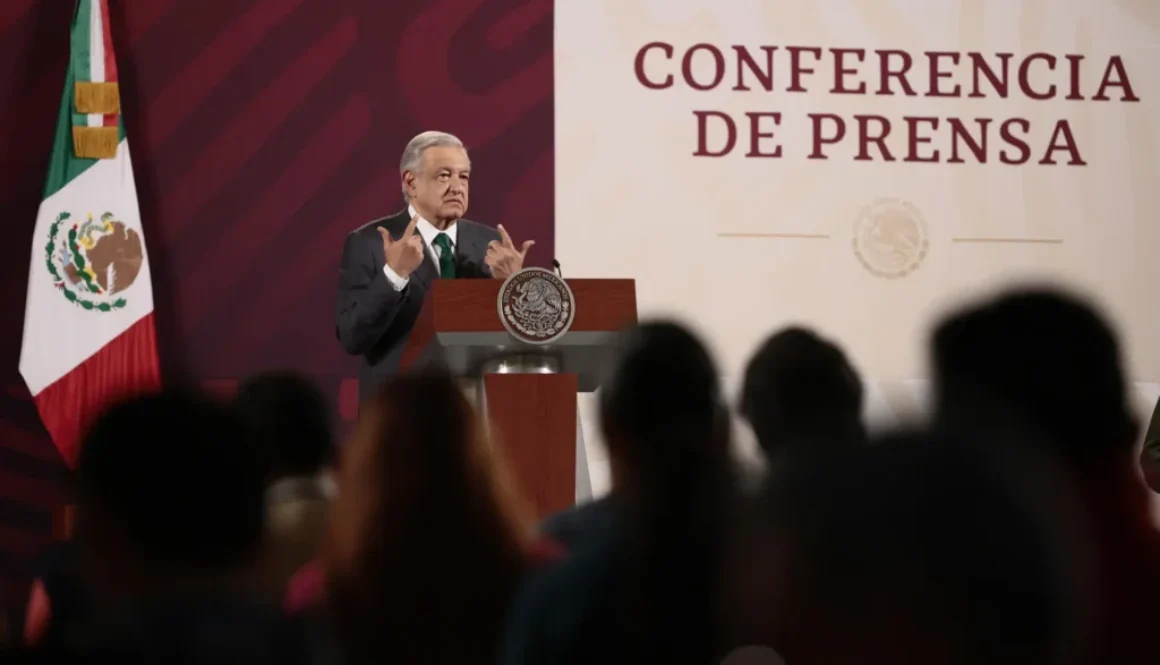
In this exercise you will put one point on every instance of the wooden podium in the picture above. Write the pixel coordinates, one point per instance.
(528, 391)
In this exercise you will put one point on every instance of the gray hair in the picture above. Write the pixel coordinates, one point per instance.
(413, 153)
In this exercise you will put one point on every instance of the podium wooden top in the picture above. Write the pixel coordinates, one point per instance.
(462, 317)
(469, 305)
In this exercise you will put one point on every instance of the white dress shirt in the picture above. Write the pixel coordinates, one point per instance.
(428, 231)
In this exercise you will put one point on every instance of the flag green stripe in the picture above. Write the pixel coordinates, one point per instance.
(81, 54)
(63, 164)
(80, 59)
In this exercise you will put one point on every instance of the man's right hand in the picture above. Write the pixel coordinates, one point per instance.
(405, 254)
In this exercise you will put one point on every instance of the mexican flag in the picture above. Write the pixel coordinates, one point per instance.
(88, 320)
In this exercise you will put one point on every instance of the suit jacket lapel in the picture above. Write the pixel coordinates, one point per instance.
(470, 251)
(427, 271)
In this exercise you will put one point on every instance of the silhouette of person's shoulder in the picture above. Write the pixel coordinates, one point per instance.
(575, 527)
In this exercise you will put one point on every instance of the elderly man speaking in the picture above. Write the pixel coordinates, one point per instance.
(388, 265)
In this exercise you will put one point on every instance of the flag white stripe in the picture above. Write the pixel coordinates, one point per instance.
(96, 53)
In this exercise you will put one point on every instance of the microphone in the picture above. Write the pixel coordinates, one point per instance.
(556, 265)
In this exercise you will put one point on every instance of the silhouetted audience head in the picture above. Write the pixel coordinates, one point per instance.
(800, 389)
(289, 418)
(662, 403)
(426, 543)
(168, 486)
(667, 432)
(914, 550)
(1048, 358)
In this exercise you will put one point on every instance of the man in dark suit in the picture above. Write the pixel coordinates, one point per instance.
(388, 265)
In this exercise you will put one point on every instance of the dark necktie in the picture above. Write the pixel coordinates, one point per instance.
(446, 256)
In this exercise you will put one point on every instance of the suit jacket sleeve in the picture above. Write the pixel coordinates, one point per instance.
(367, 303)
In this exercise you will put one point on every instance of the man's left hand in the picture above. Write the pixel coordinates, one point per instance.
(502, 256)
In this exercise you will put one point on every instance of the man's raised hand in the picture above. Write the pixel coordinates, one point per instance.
(405, 254)
(503, 257)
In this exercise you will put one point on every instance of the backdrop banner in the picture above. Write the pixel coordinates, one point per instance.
(860, 166)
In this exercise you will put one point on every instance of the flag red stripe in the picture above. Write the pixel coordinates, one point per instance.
(110, 56)
(107, 36)
(126, 366)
